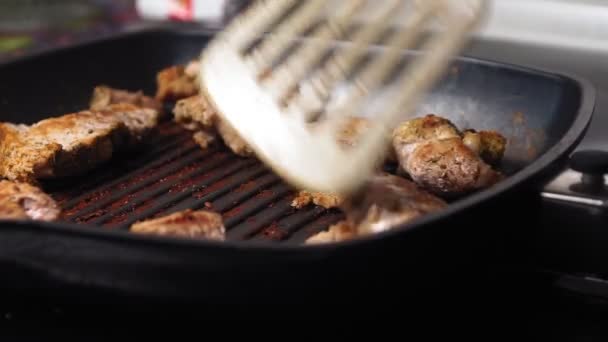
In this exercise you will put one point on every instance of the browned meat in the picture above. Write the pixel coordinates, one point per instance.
(490, 145)
(24, 201)
(177, 82)
(195, 113)
(433, 153)
(199, 224)
(304, 198)
(73, 143)
(338, 232)
(103, 96)
(203, 139)
(386, 202)
(141, 122)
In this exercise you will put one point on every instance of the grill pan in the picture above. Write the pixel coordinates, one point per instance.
(544, 115)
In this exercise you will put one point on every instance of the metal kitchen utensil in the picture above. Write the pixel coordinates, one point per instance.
(258, 77)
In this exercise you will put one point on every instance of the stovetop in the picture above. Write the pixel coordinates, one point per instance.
(571, 237)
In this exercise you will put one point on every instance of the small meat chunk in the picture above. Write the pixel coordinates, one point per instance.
(327, 201)
(387, 201)
(203, 139)
(104, 96)
(196, 113)
(200, 224)
(434, 154)
(177, 82)
(71, 144)
(341, 231)
(23, 201)
(490, 145)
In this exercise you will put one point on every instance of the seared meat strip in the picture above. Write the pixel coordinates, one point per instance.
(177, 82)
(73, 143)
(24, 201)
(386, 202)
(433, 153)
(199, 224)
(104, 96)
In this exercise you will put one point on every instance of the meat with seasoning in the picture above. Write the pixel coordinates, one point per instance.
(22, 201)
(177, 82)
(199, 224)
(437, 156)
(387, 201)
(72, 144)
(196, 113)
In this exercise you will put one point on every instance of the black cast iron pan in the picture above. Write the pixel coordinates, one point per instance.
(543, 114)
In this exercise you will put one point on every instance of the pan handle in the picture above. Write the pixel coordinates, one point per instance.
(585, 182)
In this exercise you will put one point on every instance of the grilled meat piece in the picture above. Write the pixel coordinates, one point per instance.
(433, 153)
(104, 96)
(140, 122)
(195, 113)
(203, 139)
(490, 145)
(386, 202)
(71, 144)
(58, 147)
(24, 201)
(341, 231)
(177, 82)
(327, 201)
(200, 224)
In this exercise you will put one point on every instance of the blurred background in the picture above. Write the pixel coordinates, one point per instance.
(31, 25)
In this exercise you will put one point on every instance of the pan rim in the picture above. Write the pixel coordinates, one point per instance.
(566, 144)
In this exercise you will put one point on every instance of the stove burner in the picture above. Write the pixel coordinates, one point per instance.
(585, 183)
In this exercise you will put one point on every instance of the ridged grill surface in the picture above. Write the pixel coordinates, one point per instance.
(171, 173)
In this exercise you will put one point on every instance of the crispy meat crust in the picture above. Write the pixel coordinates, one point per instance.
(199, 224)
(304, 198)
(24, 201)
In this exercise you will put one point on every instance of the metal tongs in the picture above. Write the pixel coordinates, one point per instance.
(275, 71)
